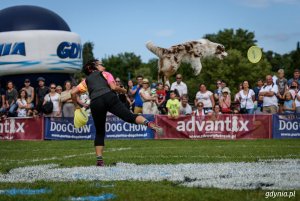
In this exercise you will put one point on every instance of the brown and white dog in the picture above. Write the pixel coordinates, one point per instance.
(190, 52)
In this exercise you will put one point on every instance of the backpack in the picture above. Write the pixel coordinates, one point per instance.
(48, 107)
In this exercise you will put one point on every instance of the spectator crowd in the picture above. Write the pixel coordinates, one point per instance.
(270, 96)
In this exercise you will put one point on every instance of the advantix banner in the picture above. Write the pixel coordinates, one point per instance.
(286, 126)
(216, 127)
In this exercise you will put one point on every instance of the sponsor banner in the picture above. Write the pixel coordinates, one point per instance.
(63, 128)
(118, 129)
(216, 127)
(286, 126)
(22, 129)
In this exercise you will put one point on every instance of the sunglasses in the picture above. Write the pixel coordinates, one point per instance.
(52, 87)
(178, 78)
(118, 81)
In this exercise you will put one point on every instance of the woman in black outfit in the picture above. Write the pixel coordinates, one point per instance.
(102, 91)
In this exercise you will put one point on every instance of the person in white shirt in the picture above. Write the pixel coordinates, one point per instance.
(268, 94)
(179, 85)
(206, 97)
(247, 97)
(297, 102)
(185, 108)
(55, 98)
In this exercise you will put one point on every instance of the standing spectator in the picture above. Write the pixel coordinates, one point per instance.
(130, 95)
(289, 106)
(247, 97)
(58, 89)
(199, 111)
(268, 95)
(258, 102)
(295, 78)
(30, 94)
(161, 98)
(225, 101)
(173, 106)
(66, 100)
(149, 105)
(297, 102)
(206, 97)
(185, 108)
(2, 101)
(281, 83)
(218, 91)
(11, 99)
(293, 89)
(41, 91)
(122, 96)
(22, 102)
(179, 85)
(135, 91)
(55, 98)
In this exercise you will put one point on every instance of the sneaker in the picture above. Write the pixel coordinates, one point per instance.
(100, 163)
(159, 131)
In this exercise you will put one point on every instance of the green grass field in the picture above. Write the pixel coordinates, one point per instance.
(81, 153)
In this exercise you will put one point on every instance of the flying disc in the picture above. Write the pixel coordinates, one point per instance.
(80, 117)
(254, 54)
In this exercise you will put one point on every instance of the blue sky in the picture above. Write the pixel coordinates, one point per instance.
(117, 26)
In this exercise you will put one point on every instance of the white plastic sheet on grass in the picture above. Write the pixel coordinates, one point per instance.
(271, 174)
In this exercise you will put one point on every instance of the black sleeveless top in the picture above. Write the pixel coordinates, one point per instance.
(97, 85)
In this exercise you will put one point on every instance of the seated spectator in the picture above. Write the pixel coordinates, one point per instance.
(11, 99)
(199, 111)
(217, 110)
(55, 98)
(297, 102)
(173, 106)
(84, 101)
(41, 91)
(289, 106)
(296, 78)
(218, 91)
(268, 95)
(2, 101)
(22, 102)
(30, 93)
(149, 105)
(225, 101)
(247, 97)
(185, 108)
(206, 97)
(66, 100)
(293, 89)
(58, 89)
(161, 98)
(179, 85)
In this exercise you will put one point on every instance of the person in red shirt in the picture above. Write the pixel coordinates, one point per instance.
(161, 98)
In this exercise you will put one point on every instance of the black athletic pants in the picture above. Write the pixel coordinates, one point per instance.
(108, 102)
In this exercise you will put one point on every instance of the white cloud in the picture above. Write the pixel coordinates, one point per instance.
(165, 33)
(266, 3)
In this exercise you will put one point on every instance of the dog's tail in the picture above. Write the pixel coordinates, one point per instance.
(158, 51)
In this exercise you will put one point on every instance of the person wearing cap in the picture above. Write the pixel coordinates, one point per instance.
(247, 98)
(101, 86)
(225, 101)
(41, 92)
(30, 94)
(295, 78)
(149, 105)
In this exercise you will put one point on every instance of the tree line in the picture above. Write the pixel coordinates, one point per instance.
(234, 69)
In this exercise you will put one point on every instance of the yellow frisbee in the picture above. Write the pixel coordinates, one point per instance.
(80, 118)
(254, 54)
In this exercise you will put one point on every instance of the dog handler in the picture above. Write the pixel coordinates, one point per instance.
(102, 87)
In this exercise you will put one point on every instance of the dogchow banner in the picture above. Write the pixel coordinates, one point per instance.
(286, 126)
(22, 129)
(63, 128)
(57, 128)
(216, 127)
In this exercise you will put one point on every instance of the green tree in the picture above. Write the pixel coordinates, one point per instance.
(123, 65)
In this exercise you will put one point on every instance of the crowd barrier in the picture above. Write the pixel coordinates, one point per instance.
(185, 127)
